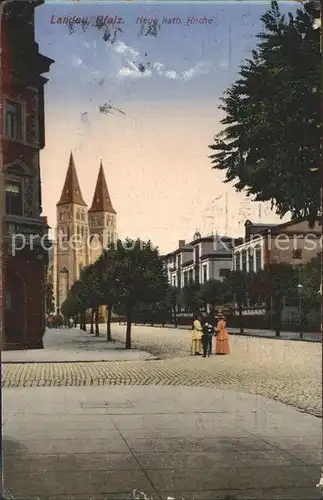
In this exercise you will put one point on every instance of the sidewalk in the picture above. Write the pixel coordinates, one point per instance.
(202, 443)
(74, 345)
(249, 332)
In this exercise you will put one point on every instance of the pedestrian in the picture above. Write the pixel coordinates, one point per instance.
(208, 333)
(197, 336)
(222, 337)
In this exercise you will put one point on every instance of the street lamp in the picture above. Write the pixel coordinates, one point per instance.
(300, 291)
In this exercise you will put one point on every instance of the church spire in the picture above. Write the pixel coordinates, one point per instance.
(101, 199)
(71, 191)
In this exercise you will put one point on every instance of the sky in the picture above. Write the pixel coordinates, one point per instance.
(146, 102)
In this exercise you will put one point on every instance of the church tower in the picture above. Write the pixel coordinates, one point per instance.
(72, 234)
(102, 217)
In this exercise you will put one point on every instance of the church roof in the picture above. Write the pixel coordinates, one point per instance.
(71, 191)
(101, 199)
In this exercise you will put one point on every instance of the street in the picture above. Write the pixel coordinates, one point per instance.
(287, 371)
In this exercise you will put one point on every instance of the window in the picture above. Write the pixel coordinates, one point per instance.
(223, 273)
(179, 261)
(35, 117)
(190, 276)
(61, 217)
(197, 254)
(205, 273)
(13, 198)
(185, 279)
(174, 281)
(244, 260)
(258, 259)
(297, 254)
(250, 260)
(14, 128)
(237, 263)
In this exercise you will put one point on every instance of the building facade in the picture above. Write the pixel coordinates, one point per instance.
(201, 260)
(292, 242)
(22, 135)
(81, 233)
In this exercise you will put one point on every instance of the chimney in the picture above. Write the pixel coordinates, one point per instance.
(181, 243)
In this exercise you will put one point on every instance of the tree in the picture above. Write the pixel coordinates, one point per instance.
(172, 300)
(310, 278)
(140, 277)
(49, 298)
(212, 292)
(272, 133)
(191, 297)
(75, 303)
(108, 283)
(91, 283)
(275, 281)
(236, 286)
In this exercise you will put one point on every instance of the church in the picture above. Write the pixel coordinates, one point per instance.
(81, 233)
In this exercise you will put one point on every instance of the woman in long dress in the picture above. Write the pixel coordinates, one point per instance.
(222, 337)
(197, 336)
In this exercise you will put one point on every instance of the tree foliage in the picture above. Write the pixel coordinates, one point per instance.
(272, 126)
(49, 298)
(126, 275)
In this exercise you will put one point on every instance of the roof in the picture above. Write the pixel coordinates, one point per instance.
(71, 192)
(101, 199)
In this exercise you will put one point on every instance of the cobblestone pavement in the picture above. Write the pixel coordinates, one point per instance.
(287, 371)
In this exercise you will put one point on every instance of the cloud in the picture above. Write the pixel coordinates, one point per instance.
(125, 50)
(77, 61)
(132, 64)
(134, 67)
(133, 72)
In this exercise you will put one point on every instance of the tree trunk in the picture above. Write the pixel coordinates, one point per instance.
(92, 321)
(240, 319)
(128, 329)
(277, 317)
(175, 317)
(82, 321)
(97, 332)
(109, 337)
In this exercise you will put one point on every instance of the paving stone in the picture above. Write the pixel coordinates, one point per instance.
(247, 494)
(77, 483)
(208, 460)
(235, 478)
(70, 461)
(286, 371)
(49, 446)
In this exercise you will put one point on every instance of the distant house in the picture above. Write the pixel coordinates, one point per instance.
(202, 259)
(292, 242)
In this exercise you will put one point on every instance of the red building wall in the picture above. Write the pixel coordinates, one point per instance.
(23, 274)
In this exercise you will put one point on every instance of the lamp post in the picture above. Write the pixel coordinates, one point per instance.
(300, 292)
